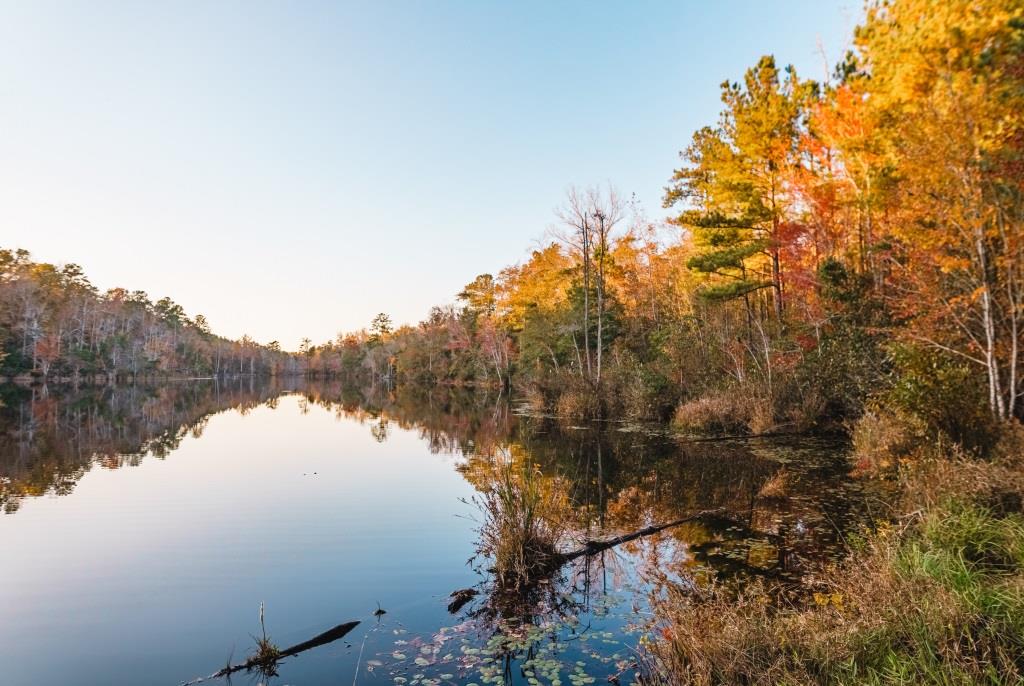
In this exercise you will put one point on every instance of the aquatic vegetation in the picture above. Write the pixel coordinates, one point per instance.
(524, 523)
(267, 654)
(566, 639)
(266, 657)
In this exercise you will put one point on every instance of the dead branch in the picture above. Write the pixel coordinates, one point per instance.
(326, 637)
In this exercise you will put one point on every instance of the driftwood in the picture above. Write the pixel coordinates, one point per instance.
(326, 637)
(462, 596)
(595, 547)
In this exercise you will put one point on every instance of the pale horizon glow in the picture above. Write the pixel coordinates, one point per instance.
(291, 169)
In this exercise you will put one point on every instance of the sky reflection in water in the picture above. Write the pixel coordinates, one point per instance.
(182, 507)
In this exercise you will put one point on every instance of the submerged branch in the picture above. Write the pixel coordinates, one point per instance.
(255, 661)
(461, 597)
(595, 547)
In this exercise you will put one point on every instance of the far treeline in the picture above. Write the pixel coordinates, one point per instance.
(835, 244)
(54, 324)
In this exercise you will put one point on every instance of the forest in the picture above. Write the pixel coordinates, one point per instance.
(54, 324)
(832, 243)
(843, 255)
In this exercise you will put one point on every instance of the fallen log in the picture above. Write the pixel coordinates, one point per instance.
(462, 596)
(595, 547)
(326, 637)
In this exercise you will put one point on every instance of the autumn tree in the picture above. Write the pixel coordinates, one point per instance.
(480, 295)
(380, 328)
(948, 82)
(589, 219)
(734, 186)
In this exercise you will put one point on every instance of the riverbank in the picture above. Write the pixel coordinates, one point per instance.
(932, 592)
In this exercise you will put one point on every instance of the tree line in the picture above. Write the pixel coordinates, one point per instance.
(831, 241)
(55, 324)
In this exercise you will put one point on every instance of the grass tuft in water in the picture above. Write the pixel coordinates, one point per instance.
(267, 654)
(524, 522)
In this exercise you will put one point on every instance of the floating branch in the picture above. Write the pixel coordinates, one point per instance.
(255, 661)
(595, 547)
(462, 596)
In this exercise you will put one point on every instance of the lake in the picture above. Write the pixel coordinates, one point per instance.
(143, 527)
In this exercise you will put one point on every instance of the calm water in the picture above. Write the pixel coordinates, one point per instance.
(143, 527)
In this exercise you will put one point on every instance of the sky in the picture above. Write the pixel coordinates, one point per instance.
(290, 169)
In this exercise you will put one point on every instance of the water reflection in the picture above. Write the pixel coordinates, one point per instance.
(788, 501)
(50, 438)
(784, 505)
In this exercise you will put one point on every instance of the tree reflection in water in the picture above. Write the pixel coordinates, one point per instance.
(786, 504)
(50, 437)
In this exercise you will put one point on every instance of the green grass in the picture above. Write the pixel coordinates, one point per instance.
(937, 598)
(964, 624)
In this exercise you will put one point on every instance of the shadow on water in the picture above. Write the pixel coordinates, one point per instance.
(786, 506)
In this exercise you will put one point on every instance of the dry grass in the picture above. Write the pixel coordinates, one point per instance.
(534, 401)
(267, 654)
(882, 438)
(524, 523)
(898, 615)
(776, 486)
(724, 412)
(762, 417)
(806, 411)
(934, 596)
(266, 657)
(578, 402)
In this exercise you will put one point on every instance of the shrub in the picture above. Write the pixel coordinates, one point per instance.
(945, 394)
(882, 438)
(578, 402)
(722, 412)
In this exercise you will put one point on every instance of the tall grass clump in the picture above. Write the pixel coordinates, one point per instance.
(721, 412)
(880, 438)
(524, 523)
(578, 400)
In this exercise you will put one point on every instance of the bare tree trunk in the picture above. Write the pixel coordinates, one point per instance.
(600, 292)
(995, 392)
(586, 294)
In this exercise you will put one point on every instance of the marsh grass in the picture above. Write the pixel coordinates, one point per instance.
(524, 523)
(881, 438)
(776, 486)
(933, 596)
(267, 654)
(578, 401)
(722, 413)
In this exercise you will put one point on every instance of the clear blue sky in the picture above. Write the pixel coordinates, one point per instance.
(290, 169)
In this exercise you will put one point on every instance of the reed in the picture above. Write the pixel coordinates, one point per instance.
(524, 523)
